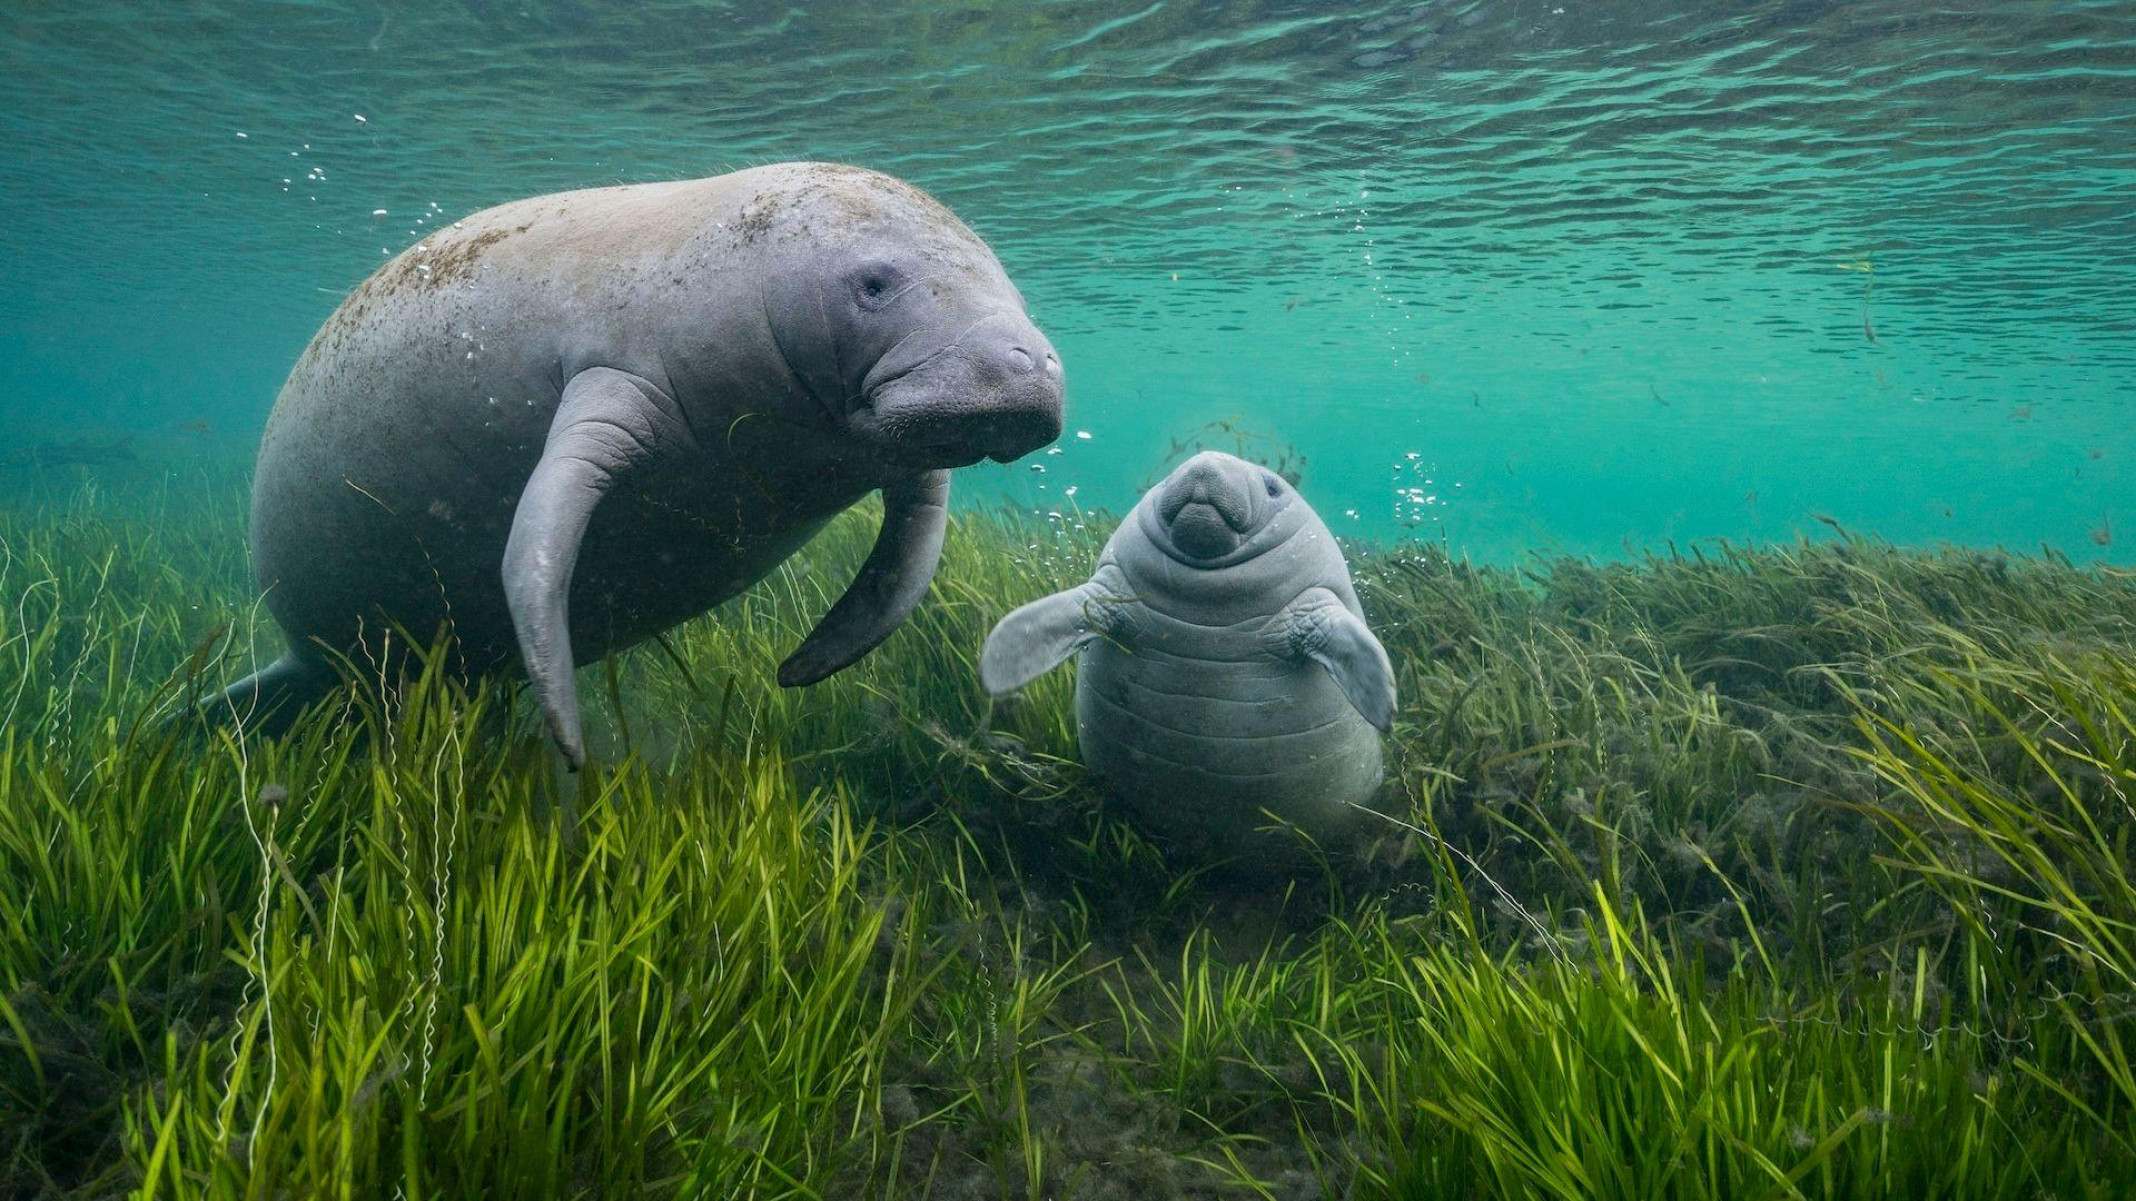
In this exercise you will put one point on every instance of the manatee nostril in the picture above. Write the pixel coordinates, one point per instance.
(1019, 358)
(1053, 363)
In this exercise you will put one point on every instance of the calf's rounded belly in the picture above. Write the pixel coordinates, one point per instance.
(1207, 746)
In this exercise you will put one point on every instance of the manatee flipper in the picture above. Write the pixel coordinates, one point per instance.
(890, 583)
(1041, 636)
(268, 700)
(1318, 627)
(608, 424)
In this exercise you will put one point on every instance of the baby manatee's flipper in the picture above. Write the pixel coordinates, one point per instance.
(608, 424)
(890, 583)
(1316, 626)
(268, 700)
(1040, 636)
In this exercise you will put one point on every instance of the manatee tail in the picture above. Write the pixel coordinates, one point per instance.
(269, 700)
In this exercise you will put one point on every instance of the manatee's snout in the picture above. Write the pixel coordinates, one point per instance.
(1027, 411)
(1207, 505)
(995, 393)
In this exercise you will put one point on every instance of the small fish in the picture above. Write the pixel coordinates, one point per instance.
(1946, 510)
(1751, 498)
(1475, 399)
(1656, 394)
(1290, 304)
(1868, 330)
(1422, 377)
(1882, 380)
(2095, 453)
(198, 427)
(2104, 535)
(2021, 413)
(1862, 265)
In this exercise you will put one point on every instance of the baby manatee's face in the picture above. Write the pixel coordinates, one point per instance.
(1212, 506)
(907, 330)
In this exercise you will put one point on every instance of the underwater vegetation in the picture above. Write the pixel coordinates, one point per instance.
(1802, 871)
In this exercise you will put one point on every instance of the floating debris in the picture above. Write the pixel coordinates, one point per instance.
(2104, 535)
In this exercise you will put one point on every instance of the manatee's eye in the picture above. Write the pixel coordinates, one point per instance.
(875, 285)
(1270, 482)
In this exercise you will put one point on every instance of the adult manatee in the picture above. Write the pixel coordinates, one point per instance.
(1226, 665)
(568, 423)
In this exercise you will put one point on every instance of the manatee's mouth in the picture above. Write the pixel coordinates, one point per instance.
(1216, 510)
(949, 410)
(891, 418)
(1206, 514)
(1202, 531)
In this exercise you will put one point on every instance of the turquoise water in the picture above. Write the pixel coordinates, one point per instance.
(1521, 276)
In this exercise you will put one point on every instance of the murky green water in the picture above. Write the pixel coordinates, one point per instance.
(1523, 275)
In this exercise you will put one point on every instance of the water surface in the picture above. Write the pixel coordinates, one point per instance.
(1519, 275)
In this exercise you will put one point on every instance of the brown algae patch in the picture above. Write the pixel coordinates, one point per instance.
(446, 262)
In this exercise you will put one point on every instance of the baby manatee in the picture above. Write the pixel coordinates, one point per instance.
(1226, 668)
